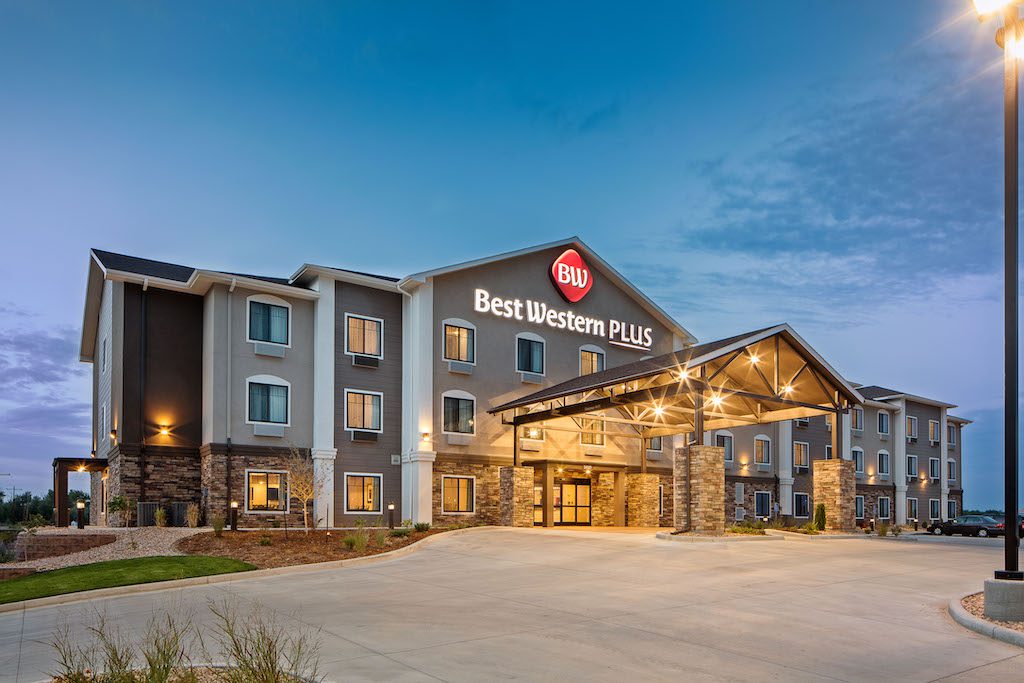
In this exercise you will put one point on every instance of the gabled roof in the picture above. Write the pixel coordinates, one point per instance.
(592, 257)
(306, 273)
(143, 266)
(877, 393)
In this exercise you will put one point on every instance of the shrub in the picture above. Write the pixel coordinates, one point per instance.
(192, 515)
(218, 525)
(6, 553)
(360, 523)
(406, 522)
(361, 542)
(400, 533)
(160, 517)
(819, 516)
(867, 531)
(265, 540)
(748, 529)
(379, 537)
(809, 528)
(34, 521)
(883, 529)
(422, 526)
(119, 505)
(263, 648)
(897, 530)
(349, 541)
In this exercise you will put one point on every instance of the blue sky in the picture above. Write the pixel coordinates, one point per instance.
(836, 165)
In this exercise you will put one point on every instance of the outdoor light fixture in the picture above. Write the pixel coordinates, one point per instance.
(165, 430)
(81, 468)
(755, 360)
(234, 515)
(80, 504)
(716, 400)
(787, 389)
(658, 410)
(81, 513)
(986, 8)
(391, 515)
(92, 453)
(425, 437)
(113, 434)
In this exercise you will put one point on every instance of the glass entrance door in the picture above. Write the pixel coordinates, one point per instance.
(574, 499)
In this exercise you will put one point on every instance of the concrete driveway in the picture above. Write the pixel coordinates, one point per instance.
(547, 605)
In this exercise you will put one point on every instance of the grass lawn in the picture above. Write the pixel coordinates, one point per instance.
(116, 573)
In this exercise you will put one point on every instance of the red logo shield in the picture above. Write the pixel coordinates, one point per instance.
(571, 276)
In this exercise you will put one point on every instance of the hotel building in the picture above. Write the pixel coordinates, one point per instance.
(533, 387)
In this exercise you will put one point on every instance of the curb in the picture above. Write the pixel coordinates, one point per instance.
(985, 628)
(810, 538)
(680, 538)
(115, 591)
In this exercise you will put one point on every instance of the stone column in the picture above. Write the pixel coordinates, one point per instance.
(516, 489)
(642, 497)
(619, 500)
(835, 485)
(699, 484)
(602, 499)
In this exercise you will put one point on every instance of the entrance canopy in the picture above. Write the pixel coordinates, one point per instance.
(763, 376)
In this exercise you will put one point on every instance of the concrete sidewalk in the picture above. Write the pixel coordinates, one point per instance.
(540, 605)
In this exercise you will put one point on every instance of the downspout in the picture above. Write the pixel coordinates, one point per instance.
(227, 394)
(142, 390)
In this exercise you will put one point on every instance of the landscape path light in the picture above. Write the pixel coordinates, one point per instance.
(81, 513)
(234, 515)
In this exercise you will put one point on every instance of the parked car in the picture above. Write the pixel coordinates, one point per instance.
(968, 525)
(1001, 520)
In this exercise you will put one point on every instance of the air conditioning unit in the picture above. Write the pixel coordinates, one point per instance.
(365, 361)
(799, 469)
(911, 477)
(802, 421)
(365, 437)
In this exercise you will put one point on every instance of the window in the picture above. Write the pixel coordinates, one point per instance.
(951, 470)
(724, 441)
(459, 343)
(883, 507)
(457, 494)
(103, 356)
(911, 427)
(530, 354)
(104, 432)
(653, 443)
(591, 360)
(857, 419)
(912, 466)
(933, 508)
(883, 463)
(911, 509)
(934, 469)
(933, 431)
(362, 492)
(828, 422)
(951, 434)
(268, 402)
(950, 509)
(828, 452)
(883, 422)
(661, 500)
(762, 503)
(459, 414)
(592, 433)
(762, 450)
(801, 454)
(363, 410)
(802, 421)
(364, 336)
(858, 460)
(268, 322)
(858, 507)
(801, 505)
(266, 491)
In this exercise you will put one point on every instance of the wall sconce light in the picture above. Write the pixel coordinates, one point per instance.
(113, 434)
(165, 430)
(425, 437)
(81, 468)
(92, 453)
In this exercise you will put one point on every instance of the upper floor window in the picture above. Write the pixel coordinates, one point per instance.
(268, 319)
(103, 356)
(459, 413)
(653, 443)
(951, 469)
(933, 431)
(857, 419)
(591, 360)
(858, 460)
(724, 441)
(530, 353)
(762, 450)
(912, 466)
(951, 434)
(934, 469)
(459, 343)
(268, 400)
(592, 431)
(911, 427)
(364, 336)
(363, 410)
(266, 491)
(801, 454)
(883, 422)
(883, 463)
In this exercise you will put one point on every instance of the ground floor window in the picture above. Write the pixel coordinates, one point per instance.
(801, 505)
(933, 509)
(859, 507)
(883, 507)
(362, 492)
(762, 503)
(911, 508)
(950, 509)
(267, 491)
(457, 494)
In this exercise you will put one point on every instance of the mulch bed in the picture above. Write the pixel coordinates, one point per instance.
(276, 548)
(975, 604)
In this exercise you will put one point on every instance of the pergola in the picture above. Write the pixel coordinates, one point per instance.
(767, 375)
(61, 468)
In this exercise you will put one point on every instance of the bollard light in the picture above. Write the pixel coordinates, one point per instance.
(234, 515)
(81, 513)
(391, 515)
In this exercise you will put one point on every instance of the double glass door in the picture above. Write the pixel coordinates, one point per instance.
(571, 502)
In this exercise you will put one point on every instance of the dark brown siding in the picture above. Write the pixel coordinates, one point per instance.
(387, 378)
(173, 367)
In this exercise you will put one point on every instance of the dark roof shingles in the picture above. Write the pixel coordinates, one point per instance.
(144, 266)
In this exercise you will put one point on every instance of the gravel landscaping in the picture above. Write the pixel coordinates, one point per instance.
(975, 604)
(130, 543)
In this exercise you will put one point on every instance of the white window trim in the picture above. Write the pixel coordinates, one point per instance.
(604, 427)
(445, 477)
(532, 336)
(761, 437)
(911, 433)
(274, 381)
(888, 501)
(861, 499)
(353, 390)
(763, 493)
(654, 450)
(939, 468)
(955, 510)
(455, 322)
(938, 504)
(916, 472)
(828, 451)
(853, 422)
(287, 496)
(458, 393)
(807, 452)
(951, 434)
(380, 502)
(938, 431)
(878, 463)
(808, 497)
(917, 512)
(591, 348)
(103, 355)
(853, 452)
(888, 422)
(732, 453)
(951, 474)
(379, 356)
(273, 301)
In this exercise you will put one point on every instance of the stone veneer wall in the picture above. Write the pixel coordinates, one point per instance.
(516, 491)
(214, 467)
(750, 486)
(602, 499)
(667, 500)
(172, 475)
(487, 493)
(699, 475)
(871, 495)
(835, 485)
(641, 500)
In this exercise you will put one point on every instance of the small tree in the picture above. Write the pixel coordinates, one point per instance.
(304, 482)
(819, 516)
(119, 504)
